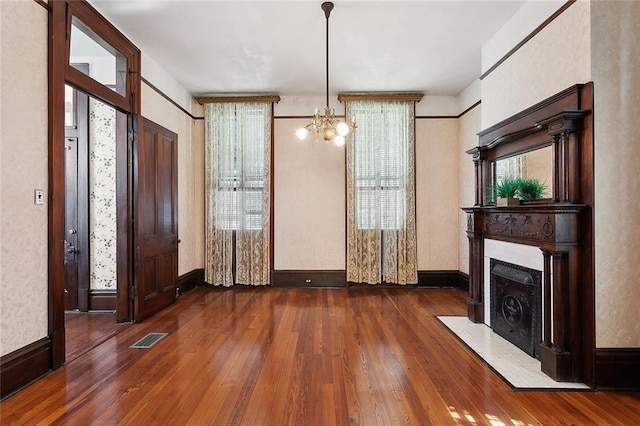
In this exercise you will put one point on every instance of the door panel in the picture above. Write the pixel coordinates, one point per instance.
(156, 224)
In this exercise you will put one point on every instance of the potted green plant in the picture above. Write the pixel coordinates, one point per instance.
(531, 189)
(504, 192)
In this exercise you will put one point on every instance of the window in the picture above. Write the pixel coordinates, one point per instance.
(239, 164)
(511, 167)
(237, 191)
(381, 221)
(381, 164)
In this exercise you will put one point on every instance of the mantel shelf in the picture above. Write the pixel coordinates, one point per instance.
(548, 226)
(527, 208)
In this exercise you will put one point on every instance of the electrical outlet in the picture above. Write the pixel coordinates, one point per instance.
(38, 197)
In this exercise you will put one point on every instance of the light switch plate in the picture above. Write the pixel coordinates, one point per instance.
(38, 197)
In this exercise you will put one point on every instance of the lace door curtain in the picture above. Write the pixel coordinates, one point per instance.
(237, 188)
(381, 227)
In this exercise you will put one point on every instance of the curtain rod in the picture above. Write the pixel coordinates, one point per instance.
(228, 99)
(381, 96)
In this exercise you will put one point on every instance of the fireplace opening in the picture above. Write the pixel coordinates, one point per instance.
(516, 304)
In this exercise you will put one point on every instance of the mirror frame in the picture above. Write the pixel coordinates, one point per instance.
(530, 130)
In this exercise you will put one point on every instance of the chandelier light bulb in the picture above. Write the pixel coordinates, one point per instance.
(328, 133)
(301, 133)
(342, 129)
(339, 140)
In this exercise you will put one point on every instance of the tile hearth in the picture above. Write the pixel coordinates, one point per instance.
(516, 367)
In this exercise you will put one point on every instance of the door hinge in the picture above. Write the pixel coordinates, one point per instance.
(134, 292)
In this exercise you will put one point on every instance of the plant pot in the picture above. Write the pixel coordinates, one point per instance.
(507, 202)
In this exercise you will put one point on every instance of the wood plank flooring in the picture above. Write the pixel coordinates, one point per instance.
(86, 330)
(270, 356)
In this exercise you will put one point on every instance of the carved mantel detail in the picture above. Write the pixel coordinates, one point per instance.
(531, 226)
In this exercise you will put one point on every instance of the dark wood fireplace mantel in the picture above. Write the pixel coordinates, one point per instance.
(560, 226)
(548, 226)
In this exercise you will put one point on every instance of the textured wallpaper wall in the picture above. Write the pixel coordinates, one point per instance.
(437, 193)
(309, 201)
(615, 41)
(556, 58)
(23, 131)
(102, 196)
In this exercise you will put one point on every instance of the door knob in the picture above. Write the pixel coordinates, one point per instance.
(73, 231)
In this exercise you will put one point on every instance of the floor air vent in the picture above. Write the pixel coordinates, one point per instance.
(149, 340)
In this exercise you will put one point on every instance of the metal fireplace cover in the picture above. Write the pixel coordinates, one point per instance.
(516, 302)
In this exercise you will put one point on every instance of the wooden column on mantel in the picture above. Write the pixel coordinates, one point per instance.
(560, 226)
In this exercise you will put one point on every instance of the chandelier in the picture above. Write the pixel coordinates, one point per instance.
(327, 125)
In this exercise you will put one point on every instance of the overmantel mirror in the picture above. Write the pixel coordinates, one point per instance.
(534, 166)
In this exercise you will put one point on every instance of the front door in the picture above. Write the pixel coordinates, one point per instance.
(156, 223)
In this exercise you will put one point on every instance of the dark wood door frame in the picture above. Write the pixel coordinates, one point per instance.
(61, 72)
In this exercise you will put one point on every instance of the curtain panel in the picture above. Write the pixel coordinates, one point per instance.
(237, 193)
(381, 219)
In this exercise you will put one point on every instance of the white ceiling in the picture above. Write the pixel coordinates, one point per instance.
(278, 46)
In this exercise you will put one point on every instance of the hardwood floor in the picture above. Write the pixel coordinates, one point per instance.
(86, 330)
(273, 356)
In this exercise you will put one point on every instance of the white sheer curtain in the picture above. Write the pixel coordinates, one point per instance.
(381, 227)
(238, 193)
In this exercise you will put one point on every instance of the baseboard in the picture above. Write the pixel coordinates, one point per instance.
(102, 300)
(338, 278)
(310, 278)
(23, 366)
(618, 368)
(463, 281)
(190, 280)
(446, 278)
